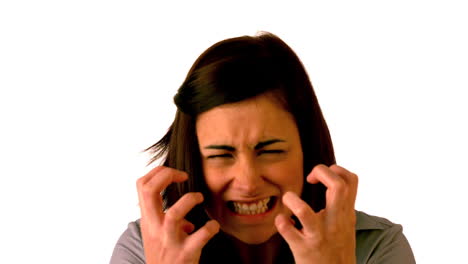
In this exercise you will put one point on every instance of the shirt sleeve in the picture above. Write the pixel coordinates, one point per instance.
(391, 247)
(384, 243)
(129, 249)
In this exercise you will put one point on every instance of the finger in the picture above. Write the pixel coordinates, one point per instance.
(180, 209)
(350, 178)
(142, 181)
(151, 185)
(287, 230)
(198, 240)
(337, 188)
(302, 211)
(164, 177)
(150, 174)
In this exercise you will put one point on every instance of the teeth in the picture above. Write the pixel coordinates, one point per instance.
(251, 208)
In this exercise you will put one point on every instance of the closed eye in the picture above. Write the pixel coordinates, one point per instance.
(226, 155)
(271, 151)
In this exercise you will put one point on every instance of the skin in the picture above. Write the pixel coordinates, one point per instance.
(167, 236)
(247, 163)
(251, 150)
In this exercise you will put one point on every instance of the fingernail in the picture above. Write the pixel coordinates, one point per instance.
(214, 224)
(200, 196)
(289, 194)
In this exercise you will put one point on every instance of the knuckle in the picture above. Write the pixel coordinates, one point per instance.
(150, 231)
(320, 167)
(302, 211)
(172, 215)
(146, 192)
(205, 232)
(317, 240)
(340, 186)
(162, 169)
(139, 182)
(185, 256)
(354, 178)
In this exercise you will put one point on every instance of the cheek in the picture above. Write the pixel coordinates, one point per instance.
(289, 176)
(214, 181)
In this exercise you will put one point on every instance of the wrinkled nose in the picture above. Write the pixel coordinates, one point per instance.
(247, 179)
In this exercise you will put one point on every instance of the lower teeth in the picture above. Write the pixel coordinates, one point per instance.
(245, 209)
(249, 212)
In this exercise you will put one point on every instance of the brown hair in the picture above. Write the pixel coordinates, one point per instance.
(233, 70)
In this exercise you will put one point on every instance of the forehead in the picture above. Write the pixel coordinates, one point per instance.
(245, 122)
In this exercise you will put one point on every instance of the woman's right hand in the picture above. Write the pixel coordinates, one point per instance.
(167, 236)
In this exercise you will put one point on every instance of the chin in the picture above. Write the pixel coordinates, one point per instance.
(257, 240)
(253, 237)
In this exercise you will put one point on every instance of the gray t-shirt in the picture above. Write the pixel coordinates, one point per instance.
(377, 241)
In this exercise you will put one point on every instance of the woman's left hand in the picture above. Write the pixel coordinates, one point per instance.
(329, 235)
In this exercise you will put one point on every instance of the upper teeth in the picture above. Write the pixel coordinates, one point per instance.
(252, 208)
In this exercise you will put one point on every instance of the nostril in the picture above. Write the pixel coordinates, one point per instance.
(248, 185)
(248, 190)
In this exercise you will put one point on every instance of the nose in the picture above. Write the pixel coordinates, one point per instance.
(247, 179)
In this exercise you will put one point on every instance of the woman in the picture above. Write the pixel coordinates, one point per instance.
(249, 173)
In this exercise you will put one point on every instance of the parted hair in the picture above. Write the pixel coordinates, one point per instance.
(230, 71)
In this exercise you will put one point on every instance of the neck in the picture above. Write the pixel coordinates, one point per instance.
(264, 253)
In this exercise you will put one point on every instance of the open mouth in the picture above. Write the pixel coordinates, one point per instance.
(252, 208)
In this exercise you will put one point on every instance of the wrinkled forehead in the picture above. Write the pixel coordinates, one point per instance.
(245, 123)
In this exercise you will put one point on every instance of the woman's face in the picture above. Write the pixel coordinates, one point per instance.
(251, 154)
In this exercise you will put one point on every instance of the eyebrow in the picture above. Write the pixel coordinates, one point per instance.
(267, 142)
(258, 146)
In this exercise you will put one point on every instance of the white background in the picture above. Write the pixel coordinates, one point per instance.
(86, 85)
